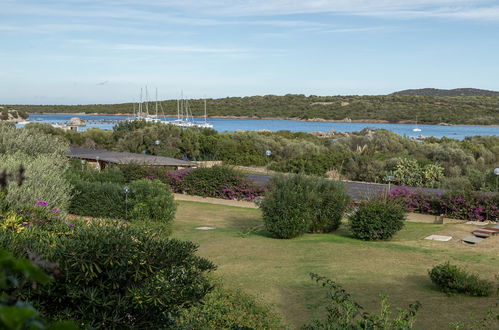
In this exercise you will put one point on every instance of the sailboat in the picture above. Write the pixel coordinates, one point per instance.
(205, 124)
(416, 129)
(184, 115)
(142, 112)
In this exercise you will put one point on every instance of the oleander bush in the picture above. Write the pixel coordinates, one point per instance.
(16, 274)
(230, 309)
(298, 204)
(377, 219)
(466, 205)
(111, 275)
(453, 279)
(217, 181)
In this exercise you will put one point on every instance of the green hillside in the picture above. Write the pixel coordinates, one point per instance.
(473, 110)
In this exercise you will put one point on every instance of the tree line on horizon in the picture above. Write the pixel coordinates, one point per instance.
(471, 110)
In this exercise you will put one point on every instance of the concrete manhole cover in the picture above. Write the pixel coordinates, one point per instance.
(439, 238)
(205, 228)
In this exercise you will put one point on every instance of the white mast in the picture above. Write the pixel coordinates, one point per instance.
(156, 101)
(205, 110)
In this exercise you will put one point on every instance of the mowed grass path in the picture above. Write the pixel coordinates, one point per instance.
(278, 270)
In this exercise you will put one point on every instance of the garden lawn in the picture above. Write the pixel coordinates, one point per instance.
(278, 270)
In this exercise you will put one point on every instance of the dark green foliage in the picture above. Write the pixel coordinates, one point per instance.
(345, 313)
(230, 309)
(298, 204)
(98, 199)
(211, 181)
(453, 279)
(151, 200)
(135, 171)
(15, 275)
(377, 220)
(84, 172)
(112, 275)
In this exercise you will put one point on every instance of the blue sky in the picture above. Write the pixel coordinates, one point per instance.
(84, 51)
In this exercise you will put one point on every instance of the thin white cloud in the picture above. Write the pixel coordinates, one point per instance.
(219, 12)
(182, 49)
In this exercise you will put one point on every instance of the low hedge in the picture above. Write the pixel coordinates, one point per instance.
(377, 220)
(217, 181)
(147, 200)
(98, 199)
(453, 279)
(298, 204)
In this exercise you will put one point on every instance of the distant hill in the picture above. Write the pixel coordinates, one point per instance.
(447, 92)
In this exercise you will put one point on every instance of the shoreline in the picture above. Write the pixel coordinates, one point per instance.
(347, 120)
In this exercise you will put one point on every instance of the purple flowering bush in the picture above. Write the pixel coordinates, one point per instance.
(217, 181)
(454, 204)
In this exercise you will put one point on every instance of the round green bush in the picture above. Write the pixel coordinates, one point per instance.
(452, 279)
(298, 204)
(377, 220)
(230, 309)
(109, 275)
(151, 200)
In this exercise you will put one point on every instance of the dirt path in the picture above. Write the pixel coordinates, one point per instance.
(228, 202)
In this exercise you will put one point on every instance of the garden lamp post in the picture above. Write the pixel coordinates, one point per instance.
(496, 172)
(83, 161)
(268, 153)
(126, 190)
(390, 179)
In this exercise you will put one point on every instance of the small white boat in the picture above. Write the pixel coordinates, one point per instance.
(416, 129)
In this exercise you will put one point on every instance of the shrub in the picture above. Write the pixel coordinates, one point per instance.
(453, 279)
(148, 200)
(298, 204)
(44, 180)
(112, 275)
(98, 199)
(151, 200)
(345, 313)
(217, 181)
(16, 314)
(30, 142)
(79, 172)
(455, 204)
(376, 219)
(133, 171)
(230, 309)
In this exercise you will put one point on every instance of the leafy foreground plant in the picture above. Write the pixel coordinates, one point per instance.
(453, 279)
(112, 275)
(344, 313)
(15, 314)
(229, 309)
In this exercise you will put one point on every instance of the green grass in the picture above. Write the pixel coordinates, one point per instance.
(278, 270)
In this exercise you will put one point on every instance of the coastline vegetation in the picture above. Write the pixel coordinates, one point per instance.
(369, 156)
(469, 110)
